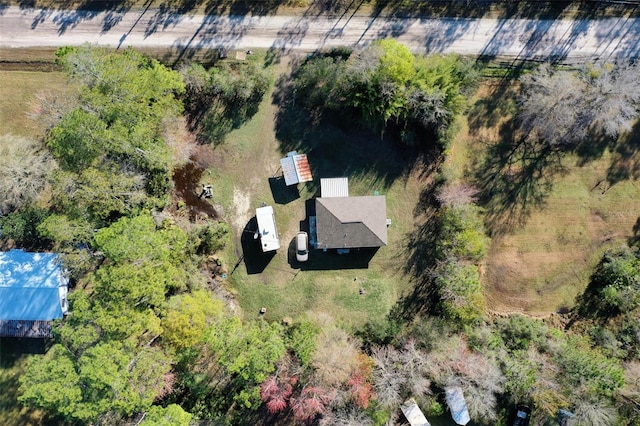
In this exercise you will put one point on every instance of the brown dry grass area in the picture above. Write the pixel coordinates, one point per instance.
(18, 91)
(539, 264)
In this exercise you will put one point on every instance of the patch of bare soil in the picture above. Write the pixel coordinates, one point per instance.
(189, 192)
(241, 205)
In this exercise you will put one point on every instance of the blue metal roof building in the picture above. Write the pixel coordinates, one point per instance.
(33, 290)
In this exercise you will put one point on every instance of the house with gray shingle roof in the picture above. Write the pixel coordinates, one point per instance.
(350, 222)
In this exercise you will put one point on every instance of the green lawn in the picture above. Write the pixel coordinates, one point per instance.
(329, 283)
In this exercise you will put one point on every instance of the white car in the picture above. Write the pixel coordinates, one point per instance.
(302, 247)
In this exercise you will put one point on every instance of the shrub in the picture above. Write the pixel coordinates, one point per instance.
(460, 292)
(211, 237)
(22, 226)
(461, 233)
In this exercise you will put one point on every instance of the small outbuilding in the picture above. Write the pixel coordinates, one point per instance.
(413, 413)
(334, 187)
(295, 168)
(33, 292)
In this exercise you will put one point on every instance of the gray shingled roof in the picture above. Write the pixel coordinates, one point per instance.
(351, 222)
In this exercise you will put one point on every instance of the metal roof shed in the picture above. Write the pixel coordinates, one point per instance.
(457, 405)
(295, 168)
(32, 286)
(267, 229)
(334, 187)
(33, 292)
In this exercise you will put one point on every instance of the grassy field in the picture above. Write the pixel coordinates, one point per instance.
(18, 91)
(546, 245)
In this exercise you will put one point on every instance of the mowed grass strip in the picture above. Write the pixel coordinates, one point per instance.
(18, 92)
(541, 265)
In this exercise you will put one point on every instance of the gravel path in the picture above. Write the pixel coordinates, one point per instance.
(517, 38)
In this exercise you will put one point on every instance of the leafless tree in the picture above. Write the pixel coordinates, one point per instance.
(593, 413)
(632, 380)
(399, 374)
(615, 96)
(551, 107)
(180, 141)
(428, 108)
(363, 64)
(335, 357)
(389, 378)
(454, 364)
(346, 416)
(24, 172)
(456, 194)
(49, 107)
(562, 107)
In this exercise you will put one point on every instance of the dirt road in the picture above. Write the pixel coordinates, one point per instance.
(518, 38)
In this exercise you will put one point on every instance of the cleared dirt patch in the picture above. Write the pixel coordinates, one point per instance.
(241, 204)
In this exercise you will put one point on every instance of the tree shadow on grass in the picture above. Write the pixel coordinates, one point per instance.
(634, 240)
(625, 164)
(283, 194)
(13, 348)
(490, 110)
(593, 147)
(514, 174)
(473, 9)
(338, 146)
(419, 260)
(514, 178)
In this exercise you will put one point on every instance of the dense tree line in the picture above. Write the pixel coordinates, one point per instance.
(386, 86)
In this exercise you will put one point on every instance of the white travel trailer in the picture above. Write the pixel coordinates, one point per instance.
(267, 230)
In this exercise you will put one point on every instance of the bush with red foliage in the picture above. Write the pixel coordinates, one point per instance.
(275, 394)
(360, 390)
(311, 402)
